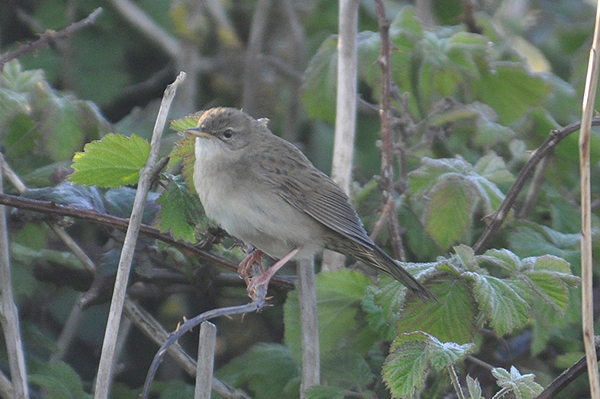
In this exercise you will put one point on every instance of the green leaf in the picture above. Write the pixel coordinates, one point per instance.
(346, 369)
(493, 168)
(452, 190)
(510, 90)
(408, 363)
(184, 152)
(453, 318)
(86, 198)
(522, 386)
(272, 368)
(119, 202)
(339, 296)
(449, 208)
(550, 277)
(114, 161)
(502, 301)
(474, 388)
(59, 381)
(320, 82)
(180, 212)
(533, 240)
(325, 392)
(185, 123)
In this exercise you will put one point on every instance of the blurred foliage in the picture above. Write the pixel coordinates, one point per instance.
(472, 98)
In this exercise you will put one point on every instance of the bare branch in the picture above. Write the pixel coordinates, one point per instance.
(497, 218)
(50, 36)
(118, 298)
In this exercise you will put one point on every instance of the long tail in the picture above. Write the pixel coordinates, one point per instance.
(375, 257)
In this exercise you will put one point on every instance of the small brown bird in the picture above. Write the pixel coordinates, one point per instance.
(264, 191)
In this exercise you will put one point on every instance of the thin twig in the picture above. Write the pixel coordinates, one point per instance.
(118, 298)
(534, 188)
(566, 377)
(309, 321)
(587, 300)
(206, 360)
(252, 80)
(52, 208)
(345, 112)
(497, 218)
(50, 36)
(153, 330)
(257, 304)
(387, 151)
(144, 24)
(9, 315)
(455, 382)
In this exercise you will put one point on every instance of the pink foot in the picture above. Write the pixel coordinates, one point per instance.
(264, 278)
(245, 266)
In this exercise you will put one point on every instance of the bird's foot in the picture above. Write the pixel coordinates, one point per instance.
(254, 255)
(264, 278)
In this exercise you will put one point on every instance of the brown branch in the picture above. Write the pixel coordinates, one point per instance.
(50, 36)
(48, 207)
(497, 218)
(566, 377)
(387, 152)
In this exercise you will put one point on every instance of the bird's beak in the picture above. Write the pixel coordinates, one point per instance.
(196, 131)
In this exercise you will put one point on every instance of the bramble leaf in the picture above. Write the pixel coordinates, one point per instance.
(114, 161)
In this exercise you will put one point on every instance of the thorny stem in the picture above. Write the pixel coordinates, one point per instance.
(50, 36)
(51, 208)
(497, 218)
(387, 153)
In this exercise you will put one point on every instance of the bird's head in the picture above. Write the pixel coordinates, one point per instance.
(227, 128)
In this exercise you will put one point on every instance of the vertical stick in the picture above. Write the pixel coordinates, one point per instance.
(9, 315)
(309, 322)
(345, 114)
(589, 97)
(206, 360)
(116, 306)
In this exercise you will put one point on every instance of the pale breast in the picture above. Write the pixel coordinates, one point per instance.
(251, 211)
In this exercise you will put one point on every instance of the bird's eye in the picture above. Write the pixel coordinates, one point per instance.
(228, 133)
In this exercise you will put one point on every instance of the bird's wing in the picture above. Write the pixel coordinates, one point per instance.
(308, 189)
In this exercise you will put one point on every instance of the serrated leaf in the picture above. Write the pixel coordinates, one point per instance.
(408, 363)
(452, 318)
(272, 367)
(550, 278)
(493, 168)
(180, 212)
(449, 208)
(114, 161)
(184, 152)
(185, 123)
(452, 191)
(406, 366)
(535, 240)
(522, 386)
(502, 301)
(502, 258)
(59, 381)
(474, 388)
(466, 256)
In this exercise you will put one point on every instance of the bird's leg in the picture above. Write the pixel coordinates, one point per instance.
(263, 279)
(253, 255)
